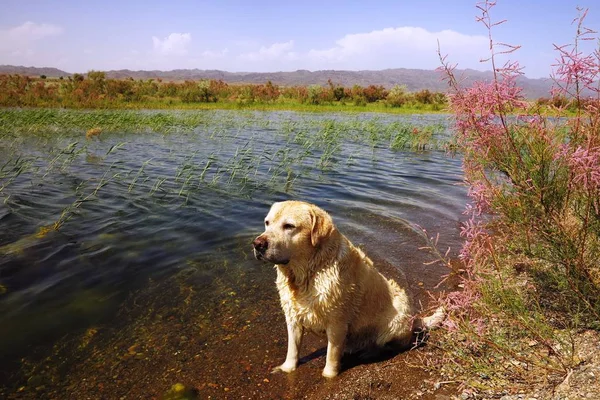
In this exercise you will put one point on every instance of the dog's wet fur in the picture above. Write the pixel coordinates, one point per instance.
(328, 286)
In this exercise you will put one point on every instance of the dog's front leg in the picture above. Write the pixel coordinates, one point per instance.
(336, 338)
(295, 332)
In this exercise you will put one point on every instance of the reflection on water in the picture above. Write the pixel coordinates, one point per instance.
(149, 280)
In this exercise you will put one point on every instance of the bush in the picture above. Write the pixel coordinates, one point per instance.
(314, 94)
(360, 101)
(531, 275)
(424, 97)
(95, 90)
(374, 93)
(197, 92)
(397, 96)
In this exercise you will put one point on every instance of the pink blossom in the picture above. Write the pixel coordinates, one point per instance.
(585, 166)
(533, 152)
(480, 193)
(574, 69)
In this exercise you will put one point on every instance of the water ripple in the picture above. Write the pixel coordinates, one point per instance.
(163, 203)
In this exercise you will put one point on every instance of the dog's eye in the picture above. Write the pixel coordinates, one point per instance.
(288, 226)
(266, 223)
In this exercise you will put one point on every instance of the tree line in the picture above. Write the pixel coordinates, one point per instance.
(95, 90)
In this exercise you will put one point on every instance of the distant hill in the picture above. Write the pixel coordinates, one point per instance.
(33, 71)
(414, 79)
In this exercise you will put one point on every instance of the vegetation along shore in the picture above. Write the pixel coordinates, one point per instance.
(95, 91)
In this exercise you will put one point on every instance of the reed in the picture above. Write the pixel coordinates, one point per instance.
(271, 152)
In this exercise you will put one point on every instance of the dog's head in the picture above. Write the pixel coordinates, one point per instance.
(294, 231)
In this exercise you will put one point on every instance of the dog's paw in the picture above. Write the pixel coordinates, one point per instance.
(287, 368)
(330, 372)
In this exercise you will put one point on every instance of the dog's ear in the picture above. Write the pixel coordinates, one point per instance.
(322, 226)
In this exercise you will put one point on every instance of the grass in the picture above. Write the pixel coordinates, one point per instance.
(288, 105)
(15, 121)
(291, 105)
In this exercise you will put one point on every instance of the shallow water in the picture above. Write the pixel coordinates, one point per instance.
(152, 265)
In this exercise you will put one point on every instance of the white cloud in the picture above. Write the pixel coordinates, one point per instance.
(406, 47)
(30, 31)
(174, 44)
(22, 38)
(400, 47)
(276, 51)
(215, 54)
(397, 47)
(18, 44)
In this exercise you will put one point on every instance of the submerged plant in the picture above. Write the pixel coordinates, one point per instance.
(174, 158)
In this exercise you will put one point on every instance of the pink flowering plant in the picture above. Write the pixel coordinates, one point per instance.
(531, 254)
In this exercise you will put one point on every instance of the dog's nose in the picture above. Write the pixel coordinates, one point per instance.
(260, 244)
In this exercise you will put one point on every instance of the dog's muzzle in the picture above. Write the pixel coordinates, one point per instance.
(260, 245)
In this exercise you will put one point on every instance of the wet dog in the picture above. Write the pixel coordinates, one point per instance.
(328, 286)
(93, 132)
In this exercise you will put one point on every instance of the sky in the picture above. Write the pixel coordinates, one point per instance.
(270, 36)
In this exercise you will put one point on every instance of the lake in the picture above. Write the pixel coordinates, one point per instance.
(126, 263)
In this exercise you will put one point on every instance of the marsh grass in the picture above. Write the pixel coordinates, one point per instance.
(233, 153)
(51, 121)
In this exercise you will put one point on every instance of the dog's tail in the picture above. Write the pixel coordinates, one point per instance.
(423, 325)
(434, 320)
(430, 322)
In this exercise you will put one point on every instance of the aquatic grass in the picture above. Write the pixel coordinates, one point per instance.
(416, 138)
(279, 151)
(140, 171)
(12, 169)
(71, 210)
(51, 121)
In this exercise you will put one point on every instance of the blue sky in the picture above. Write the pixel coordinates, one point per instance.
(267, 36)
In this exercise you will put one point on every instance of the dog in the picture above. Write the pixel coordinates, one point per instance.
(330, 287)
(93, 132)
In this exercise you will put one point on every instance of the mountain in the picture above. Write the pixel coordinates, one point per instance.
(413, 79)
(33, 71)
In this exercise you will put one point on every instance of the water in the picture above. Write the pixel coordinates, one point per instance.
(150, 280)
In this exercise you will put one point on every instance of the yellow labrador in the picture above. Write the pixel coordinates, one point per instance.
(330, 287)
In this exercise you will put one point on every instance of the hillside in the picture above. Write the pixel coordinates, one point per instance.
(414, 79)
(33, 71)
